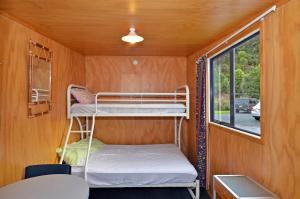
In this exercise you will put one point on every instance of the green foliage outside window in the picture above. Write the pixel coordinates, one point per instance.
(246, 71)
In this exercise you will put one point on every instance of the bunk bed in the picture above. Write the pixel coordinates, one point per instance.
(157, 165)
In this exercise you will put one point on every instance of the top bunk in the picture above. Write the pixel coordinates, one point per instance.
(82, 103)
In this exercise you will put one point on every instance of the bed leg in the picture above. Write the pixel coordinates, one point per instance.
(86, 126)
(89, 148)
(175, 131)
(66, 141)
(80, 127)
(196, 194)
(179, 132)
(197, 190)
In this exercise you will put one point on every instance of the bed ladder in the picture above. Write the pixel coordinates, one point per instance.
(177, 131)
(87, 131)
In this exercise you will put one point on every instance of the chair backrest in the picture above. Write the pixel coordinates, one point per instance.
(46, 169)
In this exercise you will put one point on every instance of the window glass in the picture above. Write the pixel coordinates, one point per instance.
(221, 89)
(247, 85)
(235, 86)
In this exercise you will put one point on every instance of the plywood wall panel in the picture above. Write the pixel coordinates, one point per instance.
(275, 162)
(151, 74)
(25, 141)
(191, 81)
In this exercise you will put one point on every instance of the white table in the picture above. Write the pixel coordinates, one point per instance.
(239, 187)
(47, 187)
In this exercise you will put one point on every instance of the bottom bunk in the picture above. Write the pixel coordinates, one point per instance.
(136, 165)
(157, 165)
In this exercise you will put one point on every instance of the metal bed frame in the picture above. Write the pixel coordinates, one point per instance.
(180, 95)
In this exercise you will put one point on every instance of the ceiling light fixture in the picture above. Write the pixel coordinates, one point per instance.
(132, 37)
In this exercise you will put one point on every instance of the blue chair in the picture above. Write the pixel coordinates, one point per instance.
(46, 169)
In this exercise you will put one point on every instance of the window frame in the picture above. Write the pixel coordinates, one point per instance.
(231, 50)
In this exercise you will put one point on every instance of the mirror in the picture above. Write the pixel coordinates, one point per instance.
(39, 92)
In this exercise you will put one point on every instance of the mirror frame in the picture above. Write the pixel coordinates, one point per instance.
(39, 51)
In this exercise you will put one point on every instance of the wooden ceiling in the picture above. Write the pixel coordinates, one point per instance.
(170, 27)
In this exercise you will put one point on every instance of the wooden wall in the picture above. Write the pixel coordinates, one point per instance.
(275, 162)
(151, 74)
(191, 123)
(26, 141)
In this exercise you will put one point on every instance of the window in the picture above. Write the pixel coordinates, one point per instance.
(235, 86)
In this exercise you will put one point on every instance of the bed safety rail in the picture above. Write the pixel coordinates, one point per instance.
(186, 90)
(181, 95)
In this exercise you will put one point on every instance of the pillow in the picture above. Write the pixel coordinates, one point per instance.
(83, 96)
(76, 152)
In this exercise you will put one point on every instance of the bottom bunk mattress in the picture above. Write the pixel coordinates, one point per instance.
(137, 165)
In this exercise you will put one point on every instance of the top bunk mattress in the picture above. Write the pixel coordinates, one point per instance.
(103, 109)
(137, 165)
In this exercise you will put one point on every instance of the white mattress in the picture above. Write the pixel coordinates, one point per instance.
(136, 165)
(88, 109)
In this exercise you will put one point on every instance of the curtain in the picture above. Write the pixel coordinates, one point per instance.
(201, 120)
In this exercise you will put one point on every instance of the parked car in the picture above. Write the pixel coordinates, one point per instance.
(244, 104)
(256, 111)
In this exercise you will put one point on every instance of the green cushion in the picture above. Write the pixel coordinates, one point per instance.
(76, 152)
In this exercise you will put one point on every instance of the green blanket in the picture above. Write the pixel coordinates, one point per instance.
(76, 152)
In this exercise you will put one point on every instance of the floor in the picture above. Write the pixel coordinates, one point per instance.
(144, 193)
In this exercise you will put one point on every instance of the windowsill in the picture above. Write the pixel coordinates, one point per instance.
(237, 132)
